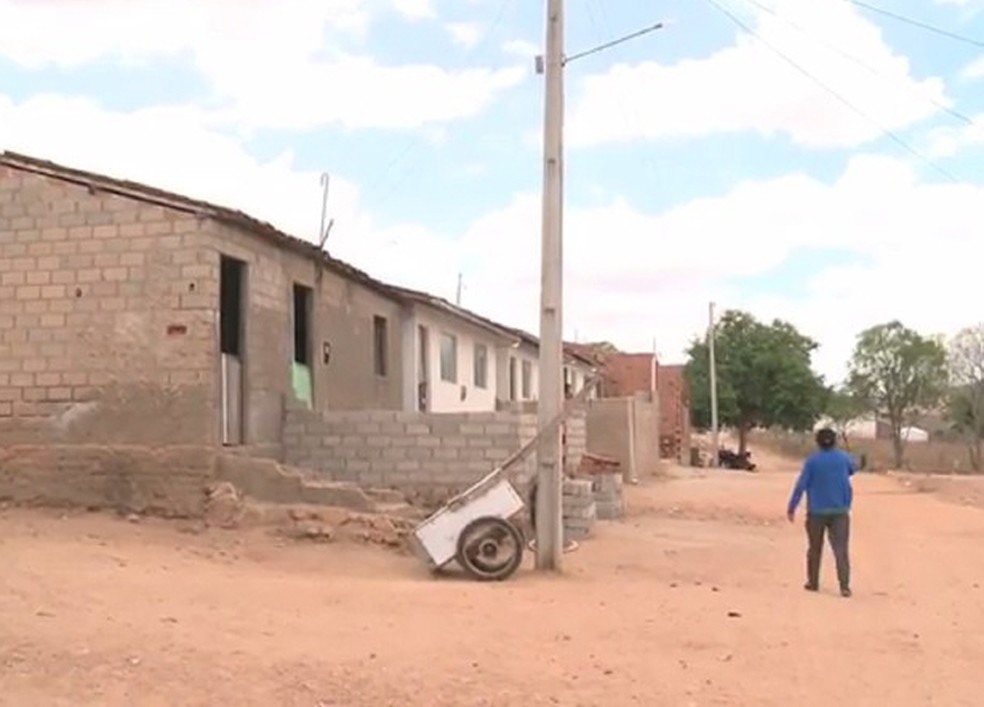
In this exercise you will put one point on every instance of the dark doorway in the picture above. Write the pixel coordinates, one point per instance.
(232, 333)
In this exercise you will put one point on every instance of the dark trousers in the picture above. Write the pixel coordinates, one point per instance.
(838, 529)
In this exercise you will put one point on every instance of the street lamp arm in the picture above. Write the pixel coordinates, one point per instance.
(613, 43)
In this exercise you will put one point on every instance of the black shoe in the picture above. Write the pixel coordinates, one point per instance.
(846, 592)
(811, 587)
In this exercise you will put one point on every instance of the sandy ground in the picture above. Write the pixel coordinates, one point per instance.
(695, 599)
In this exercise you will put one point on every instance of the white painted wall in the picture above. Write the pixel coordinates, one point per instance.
(446, 396)
(915, 434)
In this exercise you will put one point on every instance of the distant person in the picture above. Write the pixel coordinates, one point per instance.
(826, 481)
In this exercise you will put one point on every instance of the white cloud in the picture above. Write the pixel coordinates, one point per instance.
(416, 9)
(630, 276)
(465, 34)
(974, 70)
(521, 48)
(37, 33)
(358, 93)
(949, 141)
(265, 60)
(747, 88)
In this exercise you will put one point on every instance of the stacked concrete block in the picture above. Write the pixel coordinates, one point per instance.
(580, 510)
(575, 439)
(438, 453)
(608, 495)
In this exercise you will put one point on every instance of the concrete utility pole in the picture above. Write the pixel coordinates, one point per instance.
(457, 297)
(549, 512)
(715, 443)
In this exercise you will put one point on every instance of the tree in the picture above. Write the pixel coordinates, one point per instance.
(965, 399)
(843, 408)
(896, 373)
(764, 378)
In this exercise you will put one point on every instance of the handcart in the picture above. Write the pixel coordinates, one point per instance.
(476, 528)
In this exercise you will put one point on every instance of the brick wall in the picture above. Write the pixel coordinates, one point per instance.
(439, 454)
(105, 330)
(626, 374)
(674, 401)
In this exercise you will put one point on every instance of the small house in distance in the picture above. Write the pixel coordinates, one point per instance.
(455, 360)
(449, 356)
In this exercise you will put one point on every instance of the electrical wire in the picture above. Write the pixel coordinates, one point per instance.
(894, 137)
(918, 23)
(860, 62)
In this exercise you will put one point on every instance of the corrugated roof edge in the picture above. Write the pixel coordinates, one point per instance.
(161, 197)
(441, 303)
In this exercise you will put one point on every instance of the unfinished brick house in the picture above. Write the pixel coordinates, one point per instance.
(628, 374)
(144, 335)
(136, 318)
(674, 406)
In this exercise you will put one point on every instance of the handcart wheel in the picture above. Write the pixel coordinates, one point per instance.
(490, 549)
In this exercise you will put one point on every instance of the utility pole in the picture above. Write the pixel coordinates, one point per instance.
(457, 298)
(715, 442)
(549, 512)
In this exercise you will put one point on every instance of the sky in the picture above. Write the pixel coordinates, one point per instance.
(820, 162)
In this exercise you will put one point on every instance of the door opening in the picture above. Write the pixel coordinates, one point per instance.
(301, 368)
(232, 330)
(423, 370)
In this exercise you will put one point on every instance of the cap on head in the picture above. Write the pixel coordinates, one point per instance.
(826, 438)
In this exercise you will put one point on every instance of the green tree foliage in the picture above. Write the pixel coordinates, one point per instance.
(965, 399)
(764, 378)
(842, 408)
(896, 373)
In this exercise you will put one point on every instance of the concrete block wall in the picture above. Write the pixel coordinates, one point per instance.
(106, 328)
(627, 430)
(609, 495)
(579, 509)
(341, 319)
(440, 454)
(576, 438)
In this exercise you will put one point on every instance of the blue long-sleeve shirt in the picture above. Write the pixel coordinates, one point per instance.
(826, 481)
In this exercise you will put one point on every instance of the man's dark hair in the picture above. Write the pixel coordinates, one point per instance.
(826, 438)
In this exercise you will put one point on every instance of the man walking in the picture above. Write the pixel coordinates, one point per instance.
(826, 481)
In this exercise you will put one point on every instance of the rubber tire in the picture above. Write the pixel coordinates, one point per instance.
(510, 568)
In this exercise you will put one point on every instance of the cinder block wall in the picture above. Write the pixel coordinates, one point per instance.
(625, 429)
(439, 454)
(107, 344)
(106, 328)
(576, 433)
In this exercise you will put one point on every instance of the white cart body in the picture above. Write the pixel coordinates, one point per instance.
(437, 536)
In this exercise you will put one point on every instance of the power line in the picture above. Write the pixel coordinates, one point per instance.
(860, 62)
(782, 55)
(918, 23)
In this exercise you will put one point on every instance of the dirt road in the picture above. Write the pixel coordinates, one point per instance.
(695, 599)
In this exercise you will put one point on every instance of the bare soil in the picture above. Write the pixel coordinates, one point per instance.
(694, 599)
